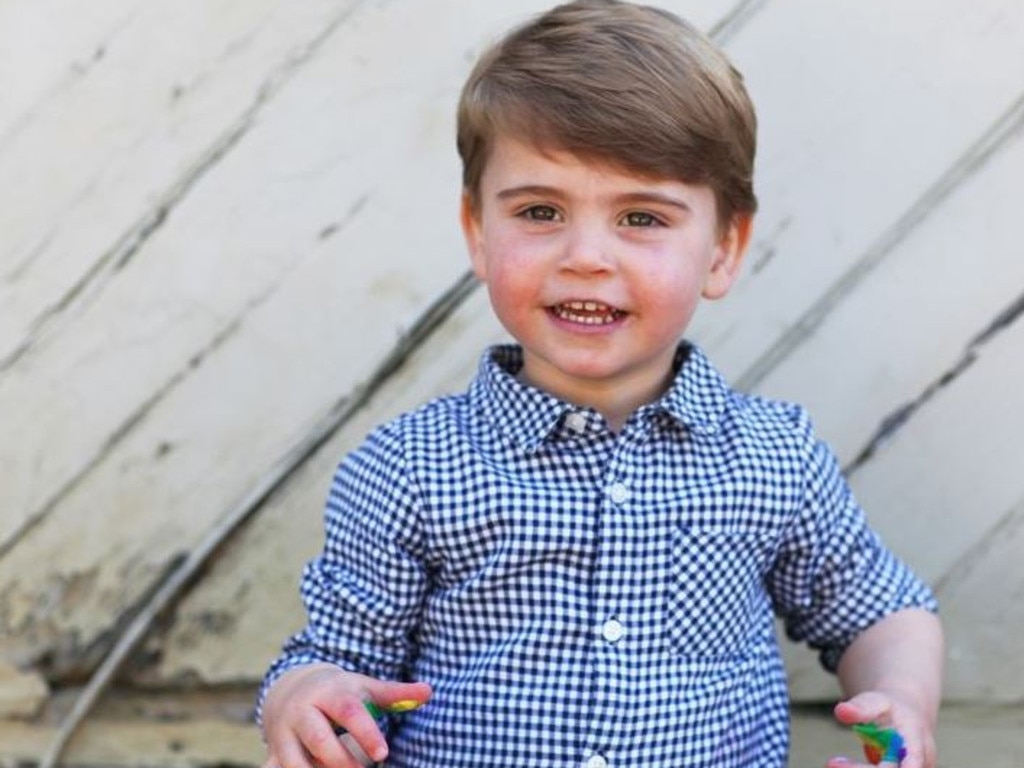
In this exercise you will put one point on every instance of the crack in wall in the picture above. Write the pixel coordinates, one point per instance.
(896, 420)
(329, 231)
(735, 20)
(114, 439)
(77, 71)
(94, 281)
(174, 586)
(1000, 134)
(194, 362)
(764, 250)
(1005, 529)
(18, 270)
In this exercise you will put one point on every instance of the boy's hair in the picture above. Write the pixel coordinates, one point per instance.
(629, 85)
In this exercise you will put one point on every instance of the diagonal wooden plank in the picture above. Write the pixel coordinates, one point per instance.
(1006, 129)
(40, 58)
(288, 529)
(96, 168)
(946, 486)
(983, 611)
(214, 301)
(857, 124)
(922, 314)
(179, 657)
(446, 364)
(45, 379)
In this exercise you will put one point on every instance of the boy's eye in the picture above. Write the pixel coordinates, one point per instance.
(539, 213)
(640, 219)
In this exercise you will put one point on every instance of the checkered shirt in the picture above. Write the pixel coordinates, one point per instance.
(588, 599)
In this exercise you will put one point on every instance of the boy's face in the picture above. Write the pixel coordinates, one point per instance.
(594, 271)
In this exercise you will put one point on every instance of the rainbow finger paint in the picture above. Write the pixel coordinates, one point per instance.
(880, 744)
(398, 708)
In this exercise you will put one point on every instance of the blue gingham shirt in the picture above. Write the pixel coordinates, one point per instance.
(588, 599)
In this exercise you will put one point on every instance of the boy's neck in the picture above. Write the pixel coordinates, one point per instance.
(615, 400)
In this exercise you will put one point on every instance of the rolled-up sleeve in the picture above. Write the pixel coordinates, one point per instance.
(363, 594)
(834, 577)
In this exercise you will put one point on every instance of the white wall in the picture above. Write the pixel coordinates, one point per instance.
(218, 219)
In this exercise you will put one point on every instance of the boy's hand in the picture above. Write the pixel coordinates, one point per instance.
(305, 705)
(889, 712)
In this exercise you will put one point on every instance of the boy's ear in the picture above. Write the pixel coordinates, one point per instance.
(729, 253)
(471, 231)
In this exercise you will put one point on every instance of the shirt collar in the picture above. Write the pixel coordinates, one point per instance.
(696, 398)
(698, 395)
(525, 414)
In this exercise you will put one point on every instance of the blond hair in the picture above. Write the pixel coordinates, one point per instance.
(633, 86)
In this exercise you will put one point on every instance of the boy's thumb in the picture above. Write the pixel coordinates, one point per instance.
(863, 708)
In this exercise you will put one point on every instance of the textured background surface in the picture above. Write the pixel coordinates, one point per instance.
(223, 223)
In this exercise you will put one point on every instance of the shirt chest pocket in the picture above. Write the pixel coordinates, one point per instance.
(716, 593)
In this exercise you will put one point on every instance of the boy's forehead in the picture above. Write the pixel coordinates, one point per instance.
(514, 158)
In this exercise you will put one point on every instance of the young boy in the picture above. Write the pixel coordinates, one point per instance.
(579, 560)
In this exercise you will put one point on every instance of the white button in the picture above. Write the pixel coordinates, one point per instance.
(612, 631)
(619, 493)
(576, 421)
(596, 761)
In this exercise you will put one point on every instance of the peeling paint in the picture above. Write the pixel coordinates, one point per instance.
(109, 652)
(192, 629)
(67, 657)
(22, 694)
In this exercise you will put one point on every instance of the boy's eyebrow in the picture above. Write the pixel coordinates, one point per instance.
(646, 196)
(653, 197)
(538, 190)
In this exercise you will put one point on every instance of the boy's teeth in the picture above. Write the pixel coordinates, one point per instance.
(587, 312)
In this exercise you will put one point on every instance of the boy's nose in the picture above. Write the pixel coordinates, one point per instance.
(587, 249)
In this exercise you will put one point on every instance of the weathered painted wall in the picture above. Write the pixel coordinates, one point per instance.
(218, 221)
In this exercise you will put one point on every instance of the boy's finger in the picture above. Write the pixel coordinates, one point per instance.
(845, 762)
(863, 708)
(290, 754)
(356, 751)
(351, 717)
(913, 759)
(319, 740)
(408, 696)
(841, 761)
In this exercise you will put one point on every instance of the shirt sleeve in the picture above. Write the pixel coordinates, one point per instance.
(833, 577)
(363, 593)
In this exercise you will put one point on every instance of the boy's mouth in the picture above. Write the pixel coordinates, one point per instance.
(587, 312)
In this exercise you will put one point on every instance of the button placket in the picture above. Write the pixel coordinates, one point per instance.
(610, 658)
